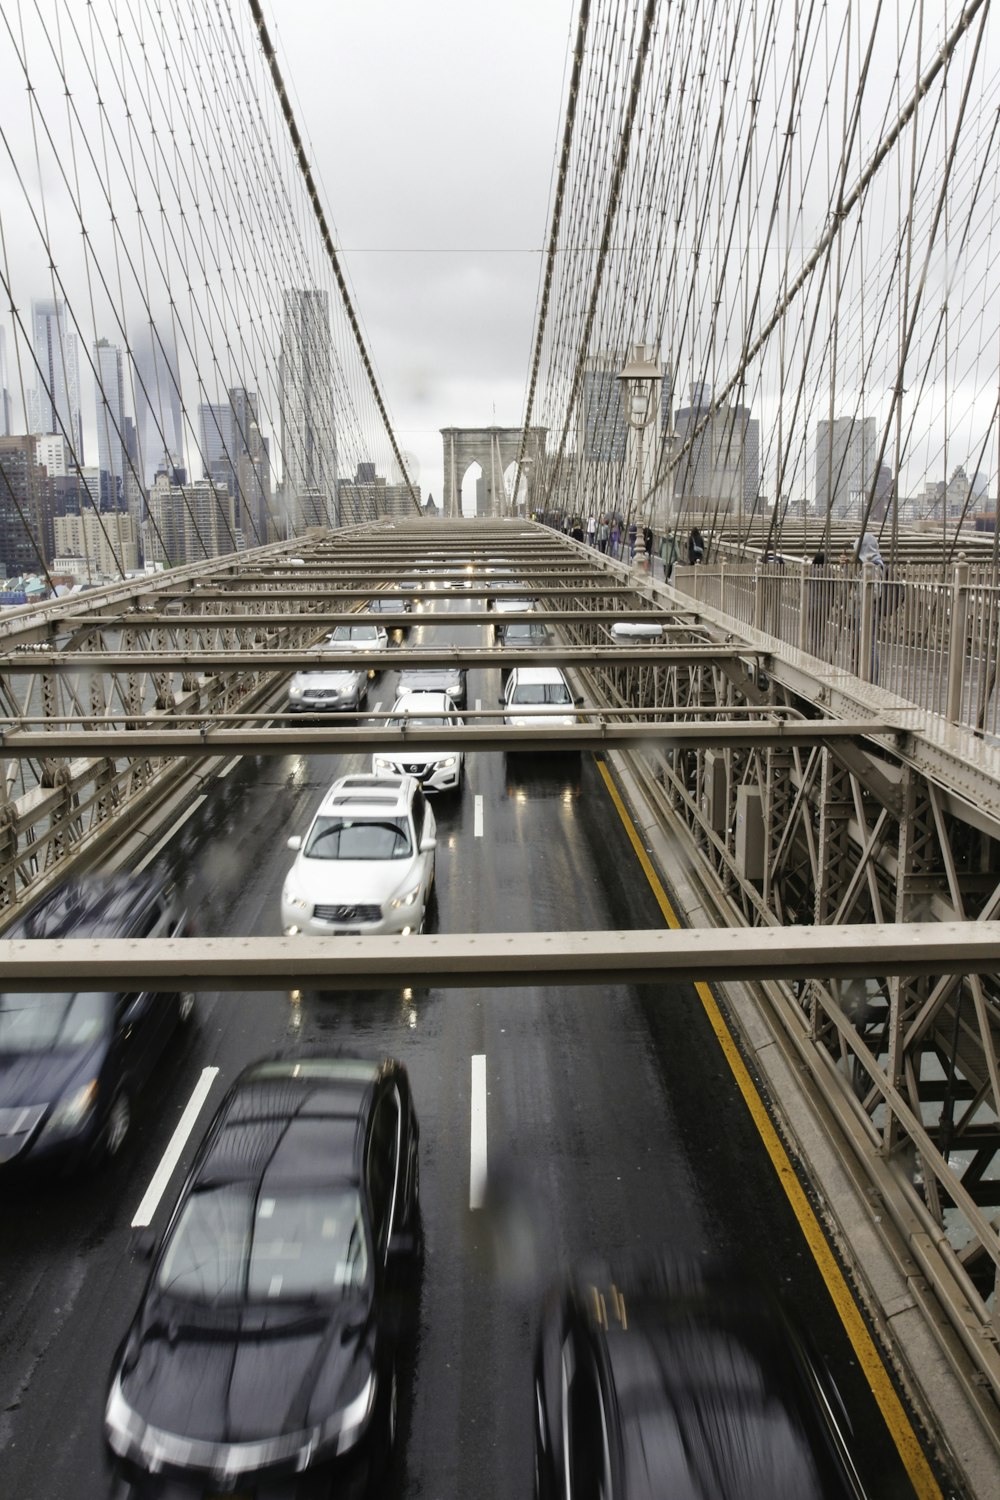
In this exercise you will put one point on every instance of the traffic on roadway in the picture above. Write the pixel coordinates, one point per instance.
(480, 1243)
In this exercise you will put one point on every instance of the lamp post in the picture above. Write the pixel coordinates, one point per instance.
(640, 380)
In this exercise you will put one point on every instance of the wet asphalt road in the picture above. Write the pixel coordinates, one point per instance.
(613, 1125)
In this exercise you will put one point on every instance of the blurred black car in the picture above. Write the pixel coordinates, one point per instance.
(671, 1382)
(262, 1359)
(72, 1065)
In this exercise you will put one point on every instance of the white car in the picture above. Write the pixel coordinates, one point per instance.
(436, 770)
(365, 636)
(366, 866)
(538, 692)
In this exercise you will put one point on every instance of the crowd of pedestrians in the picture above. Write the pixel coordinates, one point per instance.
(621, 537)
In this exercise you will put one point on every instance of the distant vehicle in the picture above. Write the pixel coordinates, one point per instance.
(73, 1065)
(447, 679)
(390, 604)
(366, 635)
(327, 689)
(367, 863)
(524, 635)
(538, 692)
(671, 1382)
(264, 1350)
(436, 770)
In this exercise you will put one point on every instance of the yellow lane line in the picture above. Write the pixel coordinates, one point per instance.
(901, 1429)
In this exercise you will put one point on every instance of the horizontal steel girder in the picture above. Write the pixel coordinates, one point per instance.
(321, 619)
(334, 738)
(241, 659)
(502, 960)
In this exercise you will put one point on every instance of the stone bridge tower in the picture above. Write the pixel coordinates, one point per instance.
(492, 448)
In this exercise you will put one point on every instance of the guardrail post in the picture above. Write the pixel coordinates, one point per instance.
(803, 609)
(959, 630)
(866, 641)
(758, 598)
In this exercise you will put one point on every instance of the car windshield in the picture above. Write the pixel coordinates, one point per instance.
(354, 633)
(541, 692)
(417, 721)
(362, 838)
(48, 1023)
(236, 1243)
(525, 633)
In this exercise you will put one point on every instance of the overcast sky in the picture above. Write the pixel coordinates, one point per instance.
(434, 129)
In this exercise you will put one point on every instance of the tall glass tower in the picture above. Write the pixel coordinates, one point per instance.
(54, 403)
(308, 429)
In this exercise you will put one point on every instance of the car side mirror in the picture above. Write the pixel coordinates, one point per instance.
(428, 845)
(295, 842)
(502, 701)
(578, 700)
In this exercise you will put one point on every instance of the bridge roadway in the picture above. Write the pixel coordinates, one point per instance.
(614, 1118)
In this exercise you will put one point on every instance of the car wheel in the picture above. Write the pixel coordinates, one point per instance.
(118, 1124)
(185, 1006)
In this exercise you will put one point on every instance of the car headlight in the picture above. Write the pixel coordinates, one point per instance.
(71, 1113)
(382, 763)
(295, 690)
(294, 899)
(407, 899)
(449, 761)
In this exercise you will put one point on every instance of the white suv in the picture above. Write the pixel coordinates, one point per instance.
(366, 866)
(538, 692)
(436, 770)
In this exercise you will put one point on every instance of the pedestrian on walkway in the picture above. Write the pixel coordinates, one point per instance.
(603, 532)
(592, 529)
(577, 531)
(632, 533)
(647, 540)
(614, 538)
(696, 547)
(668, 555)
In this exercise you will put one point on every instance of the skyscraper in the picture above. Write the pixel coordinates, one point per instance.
(6, 413)
(157, 395)
(112, 457)
(308, 429)
(54, 403)
(846, 451)
(721, 467)
(235, 458)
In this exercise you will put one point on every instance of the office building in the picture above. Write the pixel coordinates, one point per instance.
(92, 545)
(112, 453)
(718, 455)
(6, 405)
(54, 402)
(308, 428)
(236, 457)
(26, 533)
(369, 495)
(157, 401)
(187, 523)
(846, 454)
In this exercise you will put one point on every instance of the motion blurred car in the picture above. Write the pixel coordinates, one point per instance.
(391, 604)
(73, 1064)
(367, 863)
(367, 635)
(447, 679)
(667, 1381)
(436, 770)
(263, 1354)
(538, 692)
(524, 635)
(327, 689)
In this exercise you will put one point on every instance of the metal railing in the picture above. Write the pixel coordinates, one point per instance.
(928, 634)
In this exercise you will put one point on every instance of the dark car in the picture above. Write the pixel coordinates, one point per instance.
(262, 1359)
(73, 1064)
(391, 604)
(447, 679)
(671, 1381)
(522, 635)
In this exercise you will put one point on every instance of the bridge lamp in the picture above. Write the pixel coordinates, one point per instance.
(640, 382)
